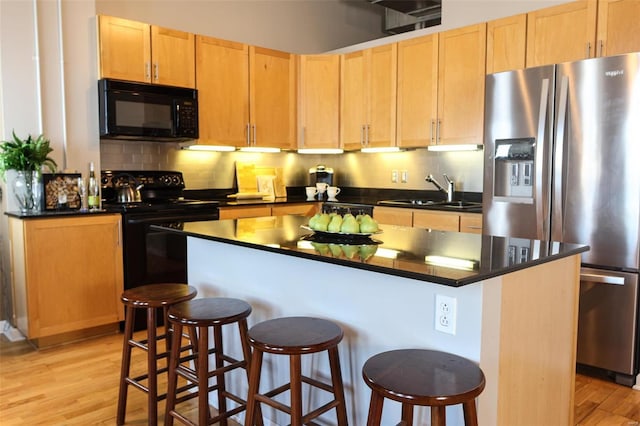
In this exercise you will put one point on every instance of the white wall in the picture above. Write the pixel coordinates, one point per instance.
(296, 26)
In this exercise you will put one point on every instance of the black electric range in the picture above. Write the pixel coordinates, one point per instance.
(154, 256)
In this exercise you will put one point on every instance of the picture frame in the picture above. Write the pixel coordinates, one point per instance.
(60, 191)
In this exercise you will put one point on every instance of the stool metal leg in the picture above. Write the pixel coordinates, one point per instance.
(126, 364)
(375, 409)
(338, 388)
(152, 367)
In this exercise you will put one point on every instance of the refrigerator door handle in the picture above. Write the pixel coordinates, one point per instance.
(541, 231)
(557, 202)
(604, 279)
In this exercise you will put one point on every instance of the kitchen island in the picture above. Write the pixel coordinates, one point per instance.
(516, 304)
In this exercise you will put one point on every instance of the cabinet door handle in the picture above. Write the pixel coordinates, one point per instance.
(438, 132)
(248, 134)
(604, 279)
(367, 134)
(147, 71)
(600, 48)
(253, 128)
(156, 72)
(362, 135)
(431, 130)
(588, 50)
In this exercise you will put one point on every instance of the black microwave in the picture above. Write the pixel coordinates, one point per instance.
(148, 112)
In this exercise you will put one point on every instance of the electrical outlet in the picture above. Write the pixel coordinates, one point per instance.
(394, 176)
(445, 314)
(404, 175)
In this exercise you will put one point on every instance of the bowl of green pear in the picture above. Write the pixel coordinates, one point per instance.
(361, 225)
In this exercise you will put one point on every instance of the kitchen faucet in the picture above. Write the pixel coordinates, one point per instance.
(450, 186)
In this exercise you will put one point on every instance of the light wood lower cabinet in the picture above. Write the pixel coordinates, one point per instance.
(236, 212)
(393, 216)
(471, 223)
(431, 219)
(436, 220)
(66, 273)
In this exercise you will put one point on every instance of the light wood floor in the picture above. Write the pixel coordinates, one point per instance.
(77, 384)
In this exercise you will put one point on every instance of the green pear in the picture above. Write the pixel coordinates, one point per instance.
(313, 222)
(323, 222)
(367, 250)
(368, 225)
(321, 248)
(336, 251)
(335, 224)
(349, 250)
(350, 225)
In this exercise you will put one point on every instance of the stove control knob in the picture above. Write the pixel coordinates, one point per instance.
(175, 180)
(166, 180)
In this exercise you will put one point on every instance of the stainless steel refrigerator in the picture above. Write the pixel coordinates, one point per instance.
(562, 163)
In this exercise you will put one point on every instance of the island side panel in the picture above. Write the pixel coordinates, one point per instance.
(378, 312)
(536, 343)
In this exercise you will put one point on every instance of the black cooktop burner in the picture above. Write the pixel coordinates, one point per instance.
(160, 191)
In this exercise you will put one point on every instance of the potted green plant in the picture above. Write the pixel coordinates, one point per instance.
(27, 157)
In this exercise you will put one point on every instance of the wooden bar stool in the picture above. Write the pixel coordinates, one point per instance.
(295, 336)
(149, 297)
(426, 378)
(202, 314)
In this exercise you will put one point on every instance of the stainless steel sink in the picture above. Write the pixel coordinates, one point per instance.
(413, 202)
(435, 204)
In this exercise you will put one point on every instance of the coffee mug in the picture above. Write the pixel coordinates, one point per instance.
(311, 192)
(332, 191)
(322, 187)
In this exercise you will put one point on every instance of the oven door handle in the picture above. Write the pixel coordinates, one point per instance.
(173, 218)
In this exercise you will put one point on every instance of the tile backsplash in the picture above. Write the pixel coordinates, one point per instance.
(203, 170)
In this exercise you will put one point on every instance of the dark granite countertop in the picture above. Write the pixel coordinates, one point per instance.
(357, 196)
(401, 251)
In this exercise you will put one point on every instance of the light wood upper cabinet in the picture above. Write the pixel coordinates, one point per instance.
(417, 98)
(319, 101)
(246, 94)
(461, 77)
(618, 27)
(441, 88)
(561, 33)
(368, 97)
(173, 57)
(272, 92)
(136, 51)
(353, 102)
(67, 273)
(506, 43)
(223, 91)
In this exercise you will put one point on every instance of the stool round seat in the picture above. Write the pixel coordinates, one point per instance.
(210, 312)
(158, 295)
(425, 378)
(295, 335)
